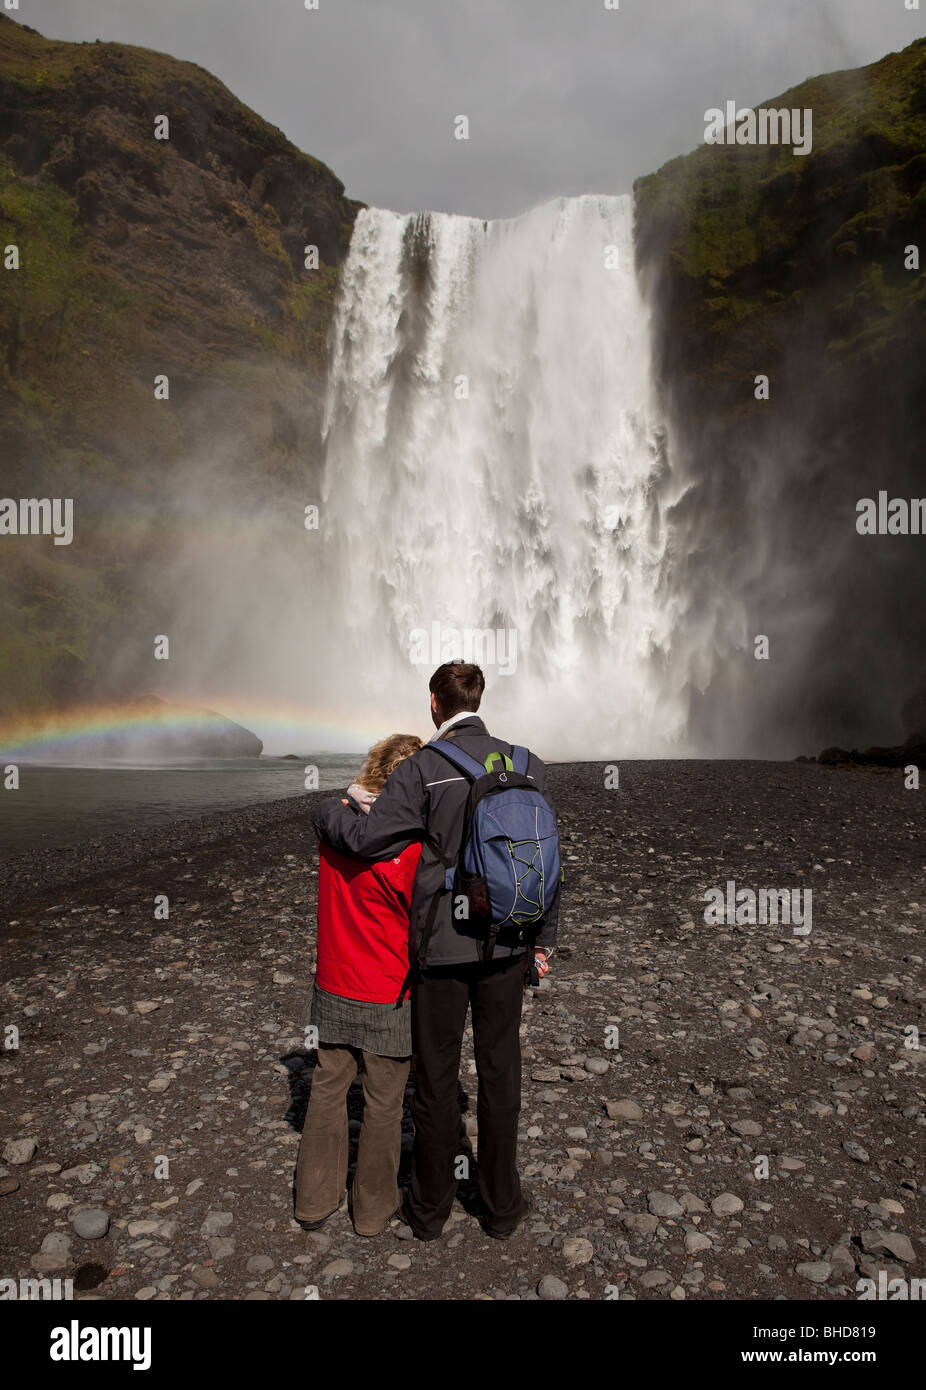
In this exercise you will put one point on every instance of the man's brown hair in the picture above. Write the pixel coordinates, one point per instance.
(458, 685)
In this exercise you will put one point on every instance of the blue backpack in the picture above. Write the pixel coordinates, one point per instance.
(508, 868)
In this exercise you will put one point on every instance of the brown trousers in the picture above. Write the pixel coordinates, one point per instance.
(321, 1169)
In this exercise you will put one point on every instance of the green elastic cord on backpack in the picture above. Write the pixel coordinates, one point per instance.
(502, 757)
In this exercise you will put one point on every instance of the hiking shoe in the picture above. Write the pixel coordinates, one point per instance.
(370, 1235)
(317, 1225)
(419, 1235)
(527, 1203)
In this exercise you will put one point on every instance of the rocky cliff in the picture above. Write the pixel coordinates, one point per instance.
(140, 257)
(758, 261)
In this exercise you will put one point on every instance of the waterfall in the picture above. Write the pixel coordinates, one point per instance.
(495, 463)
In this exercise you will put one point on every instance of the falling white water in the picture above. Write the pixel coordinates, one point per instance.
(495, 460)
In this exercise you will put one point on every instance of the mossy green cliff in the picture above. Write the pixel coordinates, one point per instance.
(138, 257)
(758, 261)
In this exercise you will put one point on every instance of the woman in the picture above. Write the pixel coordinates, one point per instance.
(363, 911)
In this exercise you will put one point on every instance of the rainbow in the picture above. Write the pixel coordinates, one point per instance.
(289, 728)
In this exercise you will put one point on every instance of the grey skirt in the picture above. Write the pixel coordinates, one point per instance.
(379, 1028)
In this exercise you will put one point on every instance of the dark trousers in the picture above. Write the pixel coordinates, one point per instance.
(440, 997)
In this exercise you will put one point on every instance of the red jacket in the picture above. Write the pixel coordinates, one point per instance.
(363, 911)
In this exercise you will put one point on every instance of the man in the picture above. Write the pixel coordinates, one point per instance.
(425, 799)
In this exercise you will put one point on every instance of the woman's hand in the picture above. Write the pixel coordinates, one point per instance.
(541, 962)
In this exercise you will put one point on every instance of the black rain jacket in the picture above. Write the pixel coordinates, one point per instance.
(425, 799)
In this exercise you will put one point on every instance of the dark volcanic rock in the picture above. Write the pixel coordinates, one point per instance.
(648, 1180)
(906, 755)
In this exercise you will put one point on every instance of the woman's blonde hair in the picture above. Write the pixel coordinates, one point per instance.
(384, 757)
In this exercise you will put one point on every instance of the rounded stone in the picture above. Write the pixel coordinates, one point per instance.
(17, 1151)
(56, 1243)
(552, 1289)
(727, 1204)
(662, 1204)
(91, 1223)
(624, 1109)
(577, 1250)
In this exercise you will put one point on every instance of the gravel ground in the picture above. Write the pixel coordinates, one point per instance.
(709, 1111)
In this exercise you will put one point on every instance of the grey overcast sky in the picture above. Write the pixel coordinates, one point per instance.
(562, 96)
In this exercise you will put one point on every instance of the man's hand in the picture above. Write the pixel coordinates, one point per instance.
(541, 962)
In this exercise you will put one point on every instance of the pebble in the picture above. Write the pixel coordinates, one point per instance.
(624, 1109)
(816, 1271)
(644, 1223)
(56, 1243)
(91, 1223)
(893, 1242)
(337, 1269)
(552, 1289)
(19, 1151)
(662, 1204)
(215, 1222)
(399, 1262)
(577, 1250)
(727, 1204)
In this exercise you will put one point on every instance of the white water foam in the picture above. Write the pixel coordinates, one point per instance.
(536, 505)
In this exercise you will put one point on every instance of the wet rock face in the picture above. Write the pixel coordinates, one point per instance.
(757, 261)
(698, 1165)
(913, 714)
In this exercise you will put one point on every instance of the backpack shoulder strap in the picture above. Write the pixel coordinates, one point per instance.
(467, 765)
(520, 757)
